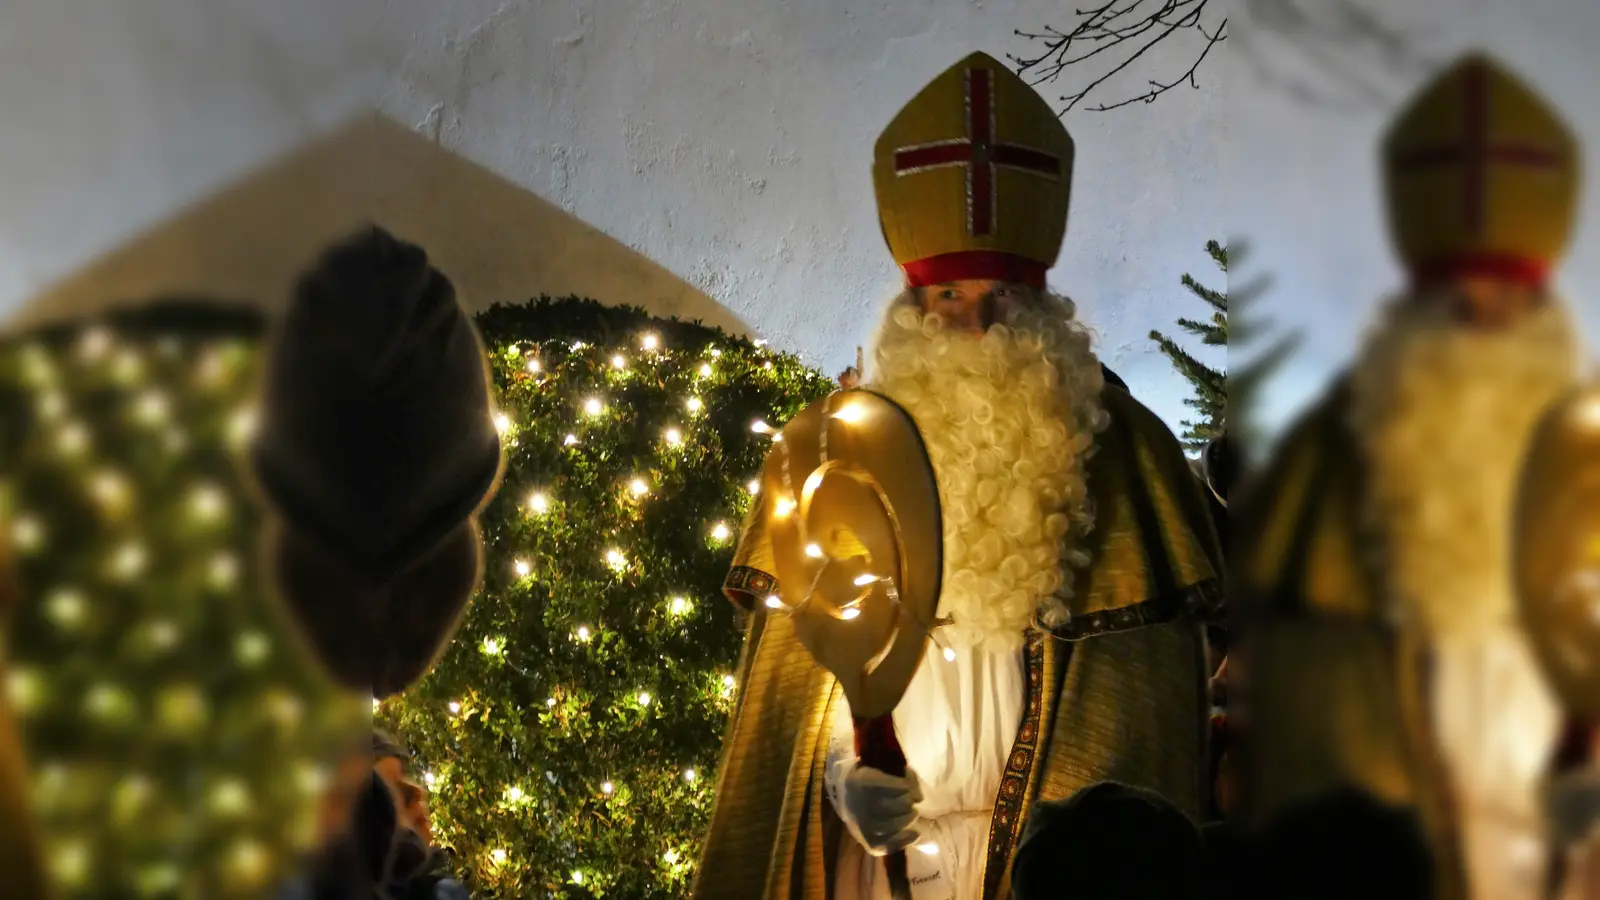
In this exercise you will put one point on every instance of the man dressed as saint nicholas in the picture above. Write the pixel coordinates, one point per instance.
(1080, 561)
(1372, 558)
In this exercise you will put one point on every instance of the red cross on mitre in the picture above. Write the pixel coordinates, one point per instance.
(980, 154)
(1476, 151)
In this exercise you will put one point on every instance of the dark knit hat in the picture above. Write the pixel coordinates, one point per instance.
(381, 638)
(377, 436)
(1109, 841)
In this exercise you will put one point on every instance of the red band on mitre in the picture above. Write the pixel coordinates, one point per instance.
(1516, 269)
(973, 265)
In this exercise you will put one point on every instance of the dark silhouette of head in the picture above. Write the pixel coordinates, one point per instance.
(1344, 843)
(1109, 841)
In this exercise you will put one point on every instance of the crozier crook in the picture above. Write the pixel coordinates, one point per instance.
(857, 541)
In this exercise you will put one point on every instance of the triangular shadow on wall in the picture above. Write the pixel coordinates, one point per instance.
(498, 242)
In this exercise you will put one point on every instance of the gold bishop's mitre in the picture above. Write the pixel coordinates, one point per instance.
(1481, 177)
(973, 178)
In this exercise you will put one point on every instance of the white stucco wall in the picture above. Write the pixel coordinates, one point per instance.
(728, 142)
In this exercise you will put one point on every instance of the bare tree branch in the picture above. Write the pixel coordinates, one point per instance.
(1332, 53)
(1112, 26)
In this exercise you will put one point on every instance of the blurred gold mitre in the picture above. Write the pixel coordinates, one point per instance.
(1481, 178)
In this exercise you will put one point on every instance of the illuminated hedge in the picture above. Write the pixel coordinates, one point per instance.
(570, 732)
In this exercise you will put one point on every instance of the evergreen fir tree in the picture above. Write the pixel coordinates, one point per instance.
(1210, 384)
(1245, 380)
(1225, 400)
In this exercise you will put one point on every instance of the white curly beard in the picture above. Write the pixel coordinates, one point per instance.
(1444, 414)
(1009, 419)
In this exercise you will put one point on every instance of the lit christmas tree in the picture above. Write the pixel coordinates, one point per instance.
(177, 737)
(571, 731)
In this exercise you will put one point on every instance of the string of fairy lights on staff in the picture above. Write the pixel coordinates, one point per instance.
(846, 415)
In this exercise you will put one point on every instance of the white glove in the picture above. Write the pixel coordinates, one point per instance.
(880, 809)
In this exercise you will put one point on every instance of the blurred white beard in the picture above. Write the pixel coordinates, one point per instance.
(1444, 414)
(1009, 419)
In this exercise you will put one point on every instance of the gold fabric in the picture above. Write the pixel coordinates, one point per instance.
(976, 161)
(1479, 164)
(1120, 693)
(1336, 692)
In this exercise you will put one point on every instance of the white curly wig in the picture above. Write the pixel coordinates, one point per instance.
(1009, 419)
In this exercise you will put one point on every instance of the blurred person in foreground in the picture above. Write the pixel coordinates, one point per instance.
(376, 837)
(1082, 834)
(1079, 558)
(1372, 555)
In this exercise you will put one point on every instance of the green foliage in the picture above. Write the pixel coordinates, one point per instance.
(572, 728)
(1246, 380)
(604, 670)
(176, 733)
(1210, 384)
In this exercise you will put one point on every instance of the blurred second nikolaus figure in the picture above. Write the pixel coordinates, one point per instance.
(1371, 561)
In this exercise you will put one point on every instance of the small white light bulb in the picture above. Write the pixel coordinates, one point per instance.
(607, 787)
(644, 698)
(455, 707)
(774, 602)
(570, 440)
(539, 504)
(498, 854)
(639, 487)
(617, 362)
(522, 568)
(674, 437)
(533, 366)
(814, 551)
(850, 613)
(680, 605)
(583, 632)
(694, 404)
(650, 342)
(754, 486)
(593, 406)
(551, 702)
(705, 370)
(720, 531)
(502, 423)
(689, 775)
